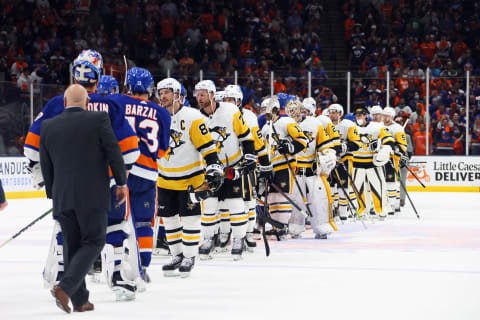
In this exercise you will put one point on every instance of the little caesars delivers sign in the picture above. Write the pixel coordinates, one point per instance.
(445, 173)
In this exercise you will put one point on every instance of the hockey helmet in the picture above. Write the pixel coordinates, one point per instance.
(234, 91)
(107, 85)
(87, 67)
(376, 110)
(139, 80)
(282, 99)
(336, 107)
(389, 112)
(219, 96)
(170, 83)
(270, 104)
(309, 104)
(206, 85)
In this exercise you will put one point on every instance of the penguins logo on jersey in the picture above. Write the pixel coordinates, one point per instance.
(175, 142)
(219, 134)
(309, 136)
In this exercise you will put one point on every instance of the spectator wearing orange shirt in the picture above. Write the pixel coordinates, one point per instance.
(278, 85)
(458, 48)
(428, 47)
(420, 141)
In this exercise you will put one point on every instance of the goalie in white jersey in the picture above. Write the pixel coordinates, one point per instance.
(284, 139)
(313, 166)
(369, 160)
(398, 158)
(229, 129)
(350, 141)
(233, 94)
(180, 170)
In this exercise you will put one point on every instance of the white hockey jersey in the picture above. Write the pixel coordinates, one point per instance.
(252, 123)
(318, 141)
(190, 143)
(228, 129)
(398, 134)
(373, 135)
(286, 128)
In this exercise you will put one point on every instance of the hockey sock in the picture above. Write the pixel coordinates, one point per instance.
(190, 235)
(173, 231)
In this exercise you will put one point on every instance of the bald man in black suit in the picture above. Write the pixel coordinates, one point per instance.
(76, 149)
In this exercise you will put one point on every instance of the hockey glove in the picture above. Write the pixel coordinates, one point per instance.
(249, 163)
(37, 177)
(214, 176)
(382, 156)
(344, 148)
(404, 161)
(265, 172)
(285, 147)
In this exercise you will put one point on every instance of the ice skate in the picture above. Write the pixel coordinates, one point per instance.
(124, 290)
(206, 249)
(250, 241)
(169, 269)
(186, 266)
(237, 248)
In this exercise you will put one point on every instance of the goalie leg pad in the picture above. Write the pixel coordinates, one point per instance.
(54, 263)
(359, 179)
(319, 202)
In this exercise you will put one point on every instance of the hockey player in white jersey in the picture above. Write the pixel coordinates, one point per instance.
(229, 129)
(398, 157)
(350, 141)
(233, 94)
(369, 160)
(284, 139)
(180, 170)
(313, 166)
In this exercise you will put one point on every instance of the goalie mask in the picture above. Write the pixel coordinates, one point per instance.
(87, 67)
(294, 109)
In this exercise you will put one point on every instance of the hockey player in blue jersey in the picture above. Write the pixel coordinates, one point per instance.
(152, 126)
(86, 69)
(107, 85)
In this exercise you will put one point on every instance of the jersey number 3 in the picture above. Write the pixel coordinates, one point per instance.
(150, 129)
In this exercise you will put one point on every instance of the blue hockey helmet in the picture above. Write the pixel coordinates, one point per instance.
(107, 85)
(282, 100)
(87, 67)
(139, 80)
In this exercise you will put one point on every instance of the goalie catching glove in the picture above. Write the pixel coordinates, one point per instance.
(36, 173)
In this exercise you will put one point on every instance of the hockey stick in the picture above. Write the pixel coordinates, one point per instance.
(352, 184)
(126, 71)
(296, 206)
(352, 207)
(404, 188)
(25, 228)
(277, 140)
(413, 174)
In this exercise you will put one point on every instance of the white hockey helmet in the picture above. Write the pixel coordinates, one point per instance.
(233, 91)
(389, 111)
(336, 107)
(269, 104)
(376, 110)
(206, 85)
(310, 105)
(169, 83)
(219, 96)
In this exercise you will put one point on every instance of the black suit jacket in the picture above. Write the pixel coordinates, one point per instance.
(76, 149)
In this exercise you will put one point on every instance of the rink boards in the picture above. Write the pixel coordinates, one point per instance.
(437, 173)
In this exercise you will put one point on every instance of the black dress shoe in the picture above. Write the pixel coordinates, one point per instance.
(61, 298)
(88, 306)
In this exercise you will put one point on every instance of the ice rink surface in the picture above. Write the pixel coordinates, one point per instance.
(402, 268)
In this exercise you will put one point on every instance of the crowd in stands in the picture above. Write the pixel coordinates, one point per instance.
(39, 39)
(405, 38)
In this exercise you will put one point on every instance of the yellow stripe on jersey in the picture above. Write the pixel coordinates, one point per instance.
(181, 184)
(240, 127)
(401, 140)
(200, 135)
(257, 138)
(384, 136)
(322, 138)
(296, 133)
